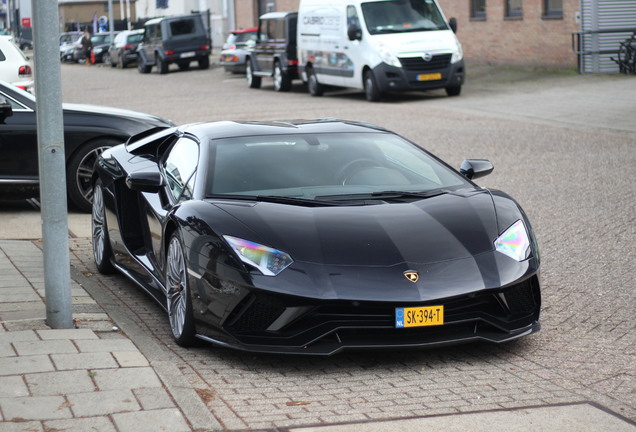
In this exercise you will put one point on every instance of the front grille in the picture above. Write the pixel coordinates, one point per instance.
(255, 313)
(521, 298)
(419, 64)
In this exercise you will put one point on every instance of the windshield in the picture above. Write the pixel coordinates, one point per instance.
(331, 166)
(399, 16)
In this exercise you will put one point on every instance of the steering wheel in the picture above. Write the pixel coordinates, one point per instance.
(350, 168)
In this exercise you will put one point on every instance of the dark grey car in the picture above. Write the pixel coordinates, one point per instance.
(176, 39)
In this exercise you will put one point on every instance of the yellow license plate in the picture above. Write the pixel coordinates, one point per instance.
(429, 77)
(419, 316)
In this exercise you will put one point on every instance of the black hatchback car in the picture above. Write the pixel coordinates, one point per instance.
(175, 39)
(274, 54)
(88, 131)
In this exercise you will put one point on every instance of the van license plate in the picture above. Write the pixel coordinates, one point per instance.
(187, 54)
(419, 316)
(429, 77)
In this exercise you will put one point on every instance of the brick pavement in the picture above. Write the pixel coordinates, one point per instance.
(567, 176)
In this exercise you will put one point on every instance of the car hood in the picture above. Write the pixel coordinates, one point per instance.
(115, 112)
(446, 227)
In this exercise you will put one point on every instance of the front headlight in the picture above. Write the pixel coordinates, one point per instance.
(514, 242)
(459, 54)
(98, 50)
(269, 261)
(387, 56)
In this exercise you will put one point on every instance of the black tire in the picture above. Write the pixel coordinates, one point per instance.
(313, 86)
(204, 63)
(142, 67)
(282, 80)
(253, 81)
(184, 65)
(371, 90)
(113, 64)
(178, 298)
(164, 66)
(454, 91)
(79, 172)
(122, 62)
(102, 252)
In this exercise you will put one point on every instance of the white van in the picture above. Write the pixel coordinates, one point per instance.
(378, 46)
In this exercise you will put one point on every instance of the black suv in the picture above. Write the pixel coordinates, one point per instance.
(177, 39)
(274, 54)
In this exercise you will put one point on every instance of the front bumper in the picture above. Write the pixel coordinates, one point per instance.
(420, 75)
(269, 322)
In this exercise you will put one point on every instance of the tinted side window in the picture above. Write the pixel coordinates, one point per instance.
(2, 56)
(277, 29)
(180, 166)
(182, 27)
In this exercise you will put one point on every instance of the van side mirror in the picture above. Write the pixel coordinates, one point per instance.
(354, 32)
(5, 109)
(452, 23)
(475, 168)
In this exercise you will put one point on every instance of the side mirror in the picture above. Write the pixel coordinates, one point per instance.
(354, 32)
(475, 168)
(452, 23)
(151, 182)
(5, 109)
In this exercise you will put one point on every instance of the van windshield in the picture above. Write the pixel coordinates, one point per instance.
(399, 16)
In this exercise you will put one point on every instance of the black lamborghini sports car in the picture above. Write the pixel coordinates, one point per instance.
(313, 237)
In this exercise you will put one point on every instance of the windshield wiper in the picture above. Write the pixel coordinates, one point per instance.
(274, 199)
(389, 194)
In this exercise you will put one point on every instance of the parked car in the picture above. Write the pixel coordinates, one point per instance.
(311, 237)
(235, 49)
(88, 131)
(69, 42)
(274, 54)
(101, 44)
(176, 39)
(123, 51)
(15, 67)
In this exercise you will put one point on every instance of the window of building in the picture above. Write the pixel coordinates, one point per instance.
(514, 9)
(553, 8)
(478, 9)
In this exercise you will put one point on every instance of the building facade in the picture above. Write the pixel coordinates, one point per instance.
(530, 33)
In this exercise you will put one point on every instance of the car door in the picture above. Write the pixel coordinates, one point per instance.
(265, 46)
(178, 167)
(18, 144)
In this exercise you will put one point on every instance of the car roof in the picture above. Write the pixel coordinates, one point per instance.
(247, 30)
(234, 129)
(277, 15)
(169, 18)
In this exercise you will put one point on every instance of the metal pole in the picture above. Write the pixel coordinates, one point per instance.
(111, 24)
(48, 93)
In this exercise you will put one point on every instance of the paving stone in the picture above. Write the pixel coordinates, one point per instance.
(89, 424)
(28, 348)
(6, 350)
(25, 364)
(35, 408)
(153, 398)
(127, 378)
(169, 420)
(93, 360)
(103, 402)
(59, 383)
(13, 386)
(23, 426)
(130, 358)
(103, 345)
(74, 334)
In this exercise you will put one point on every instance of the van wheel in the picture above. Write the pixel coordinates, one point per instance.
(282, 81)
(454, 91)
(371, 91)
(204, 62)
(313, 86)
(142, 67)
(252, 81)
(164, 66)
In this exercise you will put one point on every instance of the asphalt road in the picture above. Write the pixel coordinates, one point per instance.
(563, 145)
